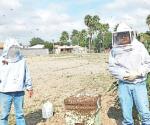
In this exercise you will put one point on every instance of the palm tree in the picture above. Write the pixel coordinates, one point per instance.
(148, 21)
(88, 23)
(92, 24)
(96, 20)
(88, 20)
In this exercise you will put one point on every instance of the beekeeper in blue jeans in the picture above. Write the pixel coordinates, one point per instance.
(14, 80)
(129, 62)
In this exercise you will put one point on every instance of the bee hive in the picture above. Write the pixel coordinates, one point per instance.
(82, 110)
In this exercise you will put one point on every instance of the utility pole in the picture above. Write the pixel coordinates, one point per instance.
(53, 45)
(100, 46)
(89, 44)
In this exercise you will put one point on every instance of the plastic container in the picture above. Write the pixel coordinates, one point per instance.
(47, 110)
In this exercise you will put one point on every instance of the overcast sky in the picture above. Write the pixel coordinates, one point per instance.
(25, 19)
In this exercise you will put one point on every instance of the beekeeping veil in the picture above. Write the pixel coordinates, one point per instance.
(11, 51)
(123, 36)
(122, 39)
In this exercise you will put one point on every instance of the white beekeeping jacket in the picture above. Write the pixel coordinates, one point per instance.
(14, 76)
(124, 60)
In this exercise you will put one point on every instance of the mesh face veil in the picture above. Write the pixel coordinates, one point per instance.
(121, 38)
(13, 52)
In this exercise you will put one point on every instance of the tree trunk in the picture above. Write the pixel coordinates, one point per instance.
(90, 43)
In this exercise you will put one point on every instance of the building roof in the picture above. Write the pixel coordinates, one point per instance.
(38, 46)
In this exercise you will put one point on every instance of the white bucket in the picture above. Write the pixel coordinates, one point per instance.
(47, 110)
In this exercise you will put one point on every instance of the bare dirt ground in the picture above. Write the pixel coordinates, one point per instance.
(57, 77)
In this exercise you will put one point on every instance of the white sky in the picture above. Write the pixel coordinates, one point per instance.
(25, 19)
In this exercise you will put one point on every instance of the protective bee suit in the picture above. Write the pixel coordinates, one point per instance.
(14, 76)
(129, 62)
(14, 80)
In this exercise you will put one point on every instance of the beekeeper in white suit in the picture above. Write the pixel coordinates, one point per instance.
(14, 80)
(129, 62)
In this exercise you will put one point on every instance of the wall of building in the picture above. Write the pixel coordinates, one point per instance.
(33, 52)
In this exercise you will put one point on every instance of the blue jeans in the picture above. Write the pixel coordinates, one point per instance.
(134, 92)
(6, 100)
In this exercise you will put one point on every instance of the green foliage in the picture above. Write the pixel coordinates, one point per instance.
(148, 20)
(79, 38)
(75, 37)
(145, 38)
(64, 38)
(88, 21)
(48, 45)
(95, 27)
(102, 42)
(107, 40)
(83, 38)
(97, 37)
(98, 43)
(35, 41)
(148, 85)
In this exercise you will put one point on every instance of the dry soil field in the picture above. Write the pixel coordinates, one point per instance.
(57, 77)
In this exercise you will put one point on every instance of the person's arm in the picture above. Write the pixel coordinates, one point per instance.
(116, 70)
(27, 80)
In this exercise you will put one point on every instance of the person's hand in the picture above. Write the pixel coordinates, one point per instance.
(5, 62)
(131, 76)
(30, 93)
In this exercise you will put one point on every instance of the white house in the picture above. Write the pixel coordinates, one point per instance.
(38, 46)
(69, 49)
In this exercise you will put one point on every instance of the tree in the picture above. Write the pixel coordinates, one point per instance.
(48, 45)
(148, 21)
(108, 40)
(75, 37)
(92, 24)
(79, 37)
(96, 23)
(145, 38)
(64, 38)
(88, 23)
(103, 42)
(102, 32)
(35, 41)
(83, 38)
